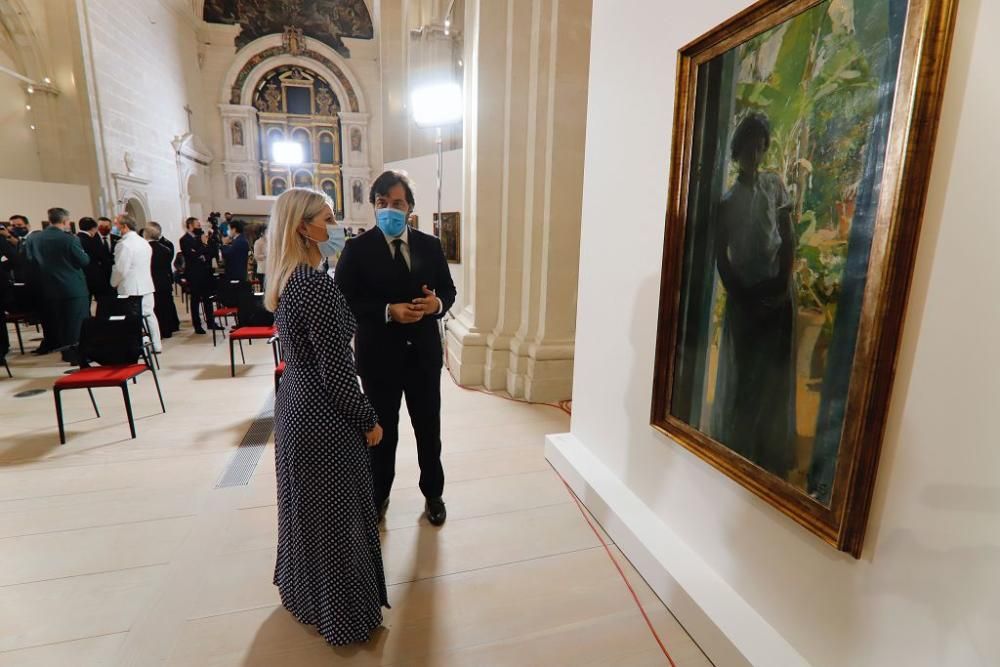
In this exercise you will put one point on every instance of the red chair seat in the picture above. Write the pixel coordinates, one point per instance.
(245, 333)
(225, 312)
(100, 376)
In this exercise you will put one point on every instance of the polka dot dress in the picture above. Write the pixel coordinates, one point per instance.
(329, 566)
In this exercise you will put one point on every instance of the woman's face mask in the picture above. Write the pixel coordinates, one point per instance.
(335, 242)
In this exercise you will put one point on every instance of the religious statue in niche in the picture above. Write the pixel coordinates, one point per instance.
(237, 131)
(272, 98)
(241, 187)
(358, 192)
(326, 103)
(292, 40)
(355, 140)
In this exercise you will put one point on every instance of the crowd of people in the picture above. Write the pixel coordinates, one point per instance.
(366, 308)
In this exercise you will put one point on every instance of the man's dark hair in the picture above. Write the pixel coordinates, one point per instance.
(86, 224)
(103, 219)
(387, 181)
(57, 215)
(190, 221)
(236, 226)
(753, 126)
(129, 222)
(22, 218)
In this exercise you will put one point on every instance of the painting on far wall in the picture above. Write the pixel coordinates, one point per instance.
(449, 230)
(803, 138)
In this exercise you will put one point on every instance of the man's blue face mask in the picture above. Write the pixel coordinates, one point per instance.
(391, 221)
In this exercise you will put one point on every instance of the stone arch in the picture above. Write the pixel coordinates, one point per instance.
(264, 54)
(138, 210)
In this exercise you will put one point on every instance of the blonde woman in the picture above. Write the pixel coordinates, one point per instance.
(329, 565)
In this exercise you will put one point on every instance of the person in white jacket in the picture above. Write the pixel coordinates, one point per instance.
(132, 273)
(260, 254)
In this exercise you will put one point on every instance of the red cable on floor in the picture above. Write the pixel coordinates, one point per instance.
(618, 567)
(566, 406)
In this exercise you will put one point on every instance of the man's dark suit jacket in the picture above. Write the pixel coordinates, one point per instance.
(98, 272)
(59, 259)
(197, 262)
(236, 255)
(162, 265)
(370, 279)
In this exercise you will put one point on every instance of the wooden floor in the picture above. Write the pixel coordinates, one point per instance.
(122, 552)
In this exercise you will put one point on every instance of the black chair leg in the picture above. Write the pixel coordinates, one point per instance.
(232, 359)
(7, 366)
(59, 417)
(128, 409)
(20, 341)
(242, 356)
(156, 381)
(93, 401)
(274, 350)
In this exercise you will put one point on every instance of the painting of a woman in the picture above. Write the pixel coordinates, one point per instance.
(754, 410)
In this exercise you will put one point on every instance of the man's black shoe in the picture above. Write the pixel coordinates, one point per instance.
(200, 332)
(41, 350)
(436, 512)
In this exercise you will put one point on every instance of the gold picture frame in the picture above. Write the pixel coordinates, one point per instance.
(850, 194)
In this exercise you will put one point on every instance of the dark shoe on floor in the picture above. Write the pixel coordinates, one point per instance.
(200, 332)
(436, 512)
(382, 510)
(41, 350)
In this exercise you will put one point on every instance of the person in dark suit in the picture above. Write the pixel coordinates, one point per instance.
(163, 280)
(198, 254)
(398, 285)
(106, 237)
(59, 260)
(236, 252)
(98, 272)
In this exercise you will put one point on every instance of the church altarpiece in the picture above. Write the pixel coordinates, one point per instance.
(295, 91)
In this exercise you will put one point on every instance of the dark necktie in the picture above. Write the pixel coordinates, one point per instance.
(400, 260)
(107, 242)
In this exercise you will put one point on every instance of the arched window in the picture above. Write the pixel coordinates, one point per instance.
(302, 138)
(303, 179)
(278, 186)
(330, 189)
(241, 187)
(326, 151)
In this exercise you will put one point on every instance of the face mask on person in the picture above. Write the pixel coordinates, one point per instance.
(19, 232)
(115, 231)
(390, 221)
(334, 244)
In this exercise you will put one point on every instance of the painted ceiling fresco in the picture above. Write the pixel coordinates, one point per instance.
(325, 20)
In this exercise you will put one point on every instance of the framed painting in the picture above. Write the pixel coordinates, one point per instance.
(449, 230)
(802, 144)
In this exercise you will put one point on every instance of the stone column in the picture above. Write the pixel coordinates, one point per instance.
(526, 98)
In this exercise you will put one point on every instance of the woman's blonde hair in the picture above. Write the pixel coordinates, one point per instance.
(287, 248)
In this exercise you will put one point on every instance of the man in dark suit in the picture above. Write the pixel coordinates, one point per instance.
(236, 252)
(398, 285)
(107, 238)
(163, 280)
(59, 260)
(98, 272)
(8, 260)
(198, 254)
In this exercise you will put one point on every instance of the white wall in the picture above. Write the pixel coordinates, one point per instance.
(145, 66)
(34, 198)
(423, 174)
(927, 590)
(20, 158)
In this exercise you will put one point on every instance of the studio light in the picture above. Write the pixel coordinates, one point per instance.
(437, 105)
(287, 152)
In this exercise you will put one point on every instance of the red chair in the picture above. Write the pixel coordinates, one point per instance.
(250, 334)
(278, 372)
(95, 339)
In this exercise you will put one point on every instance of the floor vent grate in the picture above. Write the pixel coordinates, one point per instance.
(245, 459)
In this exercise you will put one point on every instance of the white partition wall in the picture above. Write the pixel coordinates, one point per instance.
(926, 589)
